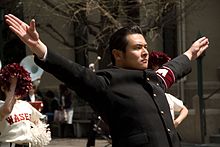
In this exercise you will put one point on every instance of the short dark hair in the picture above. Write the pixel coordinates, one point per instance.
(118, 40)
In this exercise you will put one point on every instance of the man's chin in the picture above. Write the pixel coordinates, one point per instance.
(142, 68)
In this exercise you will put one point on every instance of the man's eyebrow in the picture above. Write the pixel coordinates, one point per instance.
(139, 44)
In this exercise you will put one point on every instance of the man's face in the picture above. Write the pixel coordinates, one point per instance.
(136, 55)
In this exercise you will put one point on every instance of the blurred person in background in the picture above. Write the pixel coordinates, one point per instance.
(51, 103)
(66, 104)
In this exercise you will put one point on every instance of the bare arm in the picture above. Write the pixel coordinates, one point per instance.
(182, 115)
(10, 99)
(27, 33)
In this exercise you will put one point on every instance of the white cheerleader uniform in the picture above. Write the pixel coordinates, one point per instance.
(17, 126)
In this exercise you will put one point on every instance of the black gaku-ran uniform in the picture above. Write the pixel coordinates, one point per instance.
(132, 102)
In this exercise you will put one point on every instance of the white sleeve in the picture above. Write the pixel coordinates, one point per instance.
(1, 104)
(44, 57)
(178, 104)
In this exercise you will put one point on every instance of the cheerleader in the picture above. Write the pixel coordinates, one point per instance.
(20, 122)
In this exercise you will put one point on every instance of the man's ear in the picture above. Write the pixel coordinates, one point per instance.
(117, 54)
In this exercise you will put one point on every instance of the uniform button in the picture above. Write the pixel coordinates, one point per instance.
(148, 79)
(154, 95)
(161, 112)
(157, 84)
(168, 130)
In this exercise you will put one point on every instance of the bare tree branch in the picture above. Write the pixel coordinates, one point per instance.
(111, 15)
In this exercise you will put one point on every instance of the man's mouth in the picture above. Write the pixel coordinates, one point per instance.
(144, 60)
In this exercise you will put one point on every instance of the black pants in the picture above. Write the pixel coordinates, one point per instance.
(67, 130)
(20, 145)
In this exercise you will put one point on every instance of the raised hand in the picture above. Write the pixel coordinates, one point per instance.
(10, 98)
(10, 93)
(197, 48)
(27, 33)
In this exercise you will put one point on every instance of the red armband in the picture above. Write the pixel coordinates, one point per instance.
(167, 76)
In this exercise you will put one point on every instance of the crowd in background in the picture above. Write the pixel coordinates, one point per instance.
(57, 106)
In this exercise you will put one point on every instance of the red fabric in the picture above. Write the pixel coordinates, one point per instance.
(166, 75)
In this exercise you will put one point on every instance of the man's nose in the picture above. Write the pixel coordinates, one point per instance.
(145, 51)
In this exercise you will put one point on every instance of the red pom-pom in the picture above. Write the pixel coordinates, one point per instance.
(24, 83)
(157, 58)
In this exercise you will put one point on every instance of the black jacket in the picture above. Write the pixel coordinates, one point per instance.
(132, 102)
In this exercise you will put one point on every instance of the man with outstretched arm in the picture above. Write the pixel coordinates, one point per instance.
(129, 97)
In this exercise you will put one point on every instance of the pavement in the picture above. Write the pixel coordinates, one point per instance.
(76, 142)
(81, 142)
